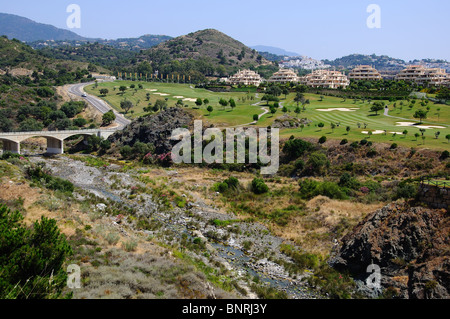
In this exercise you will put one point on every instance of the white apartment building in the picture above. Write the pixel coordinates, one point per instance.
(422, 75)
(326, 79)
(365, 73)
(284, 76)
(245, 77)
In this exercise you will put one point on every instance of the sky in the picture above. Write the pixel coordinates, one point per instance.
(321, 29)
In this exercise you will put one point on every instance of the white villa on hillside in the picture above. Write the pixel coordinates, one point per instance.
(326, 79)
(245, 77)
(285, 76)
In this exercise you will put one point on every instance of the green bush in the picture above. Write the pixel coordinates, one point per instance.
(259, 187)
(126, 151)
(406, 190)
(296, 148)
(344, 141)
(322, 140)
(31, 259)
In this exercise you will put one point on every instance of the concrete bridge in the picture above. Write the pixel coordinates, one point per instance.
(55, 139)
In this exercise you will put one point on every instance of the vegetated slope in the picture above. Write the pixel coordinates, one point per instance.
(27, 30)
(219, 53)
(27, 99)
(383, 62)
(96, 53)
(410, 244)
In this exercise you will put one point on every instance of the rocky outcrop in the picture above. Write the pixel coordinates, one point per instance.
(156, 129)
(287, 121)
(411, 246)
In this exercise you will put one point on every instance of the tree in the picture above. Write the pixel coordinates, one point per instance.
(437, 134)
(321, 125)
(273, 110)
(297, 110)
(223, 102)
(285, 92)
(108, 118)
(348, 129)
(126, 105)
(405, 132)
(210, 109)
(122, 89)
(255, 117)
(299, 97)
(206, 102)
(232, 103)
(333, 126)
(421, 115)
(376, 107)
(322, 140)
(32, 258)
(104, 92)
(148, 96)
(285, 109)
(416, 135)
(448, 138)
(199, 102)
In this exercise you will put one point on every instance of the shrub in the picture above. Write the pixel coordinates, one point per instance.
(259, 187)
(406, 190)
(126, 151)
(371, 153)
(445, 155)
(322, 140)
(296, 148)
(112, 238)
(344, 141)
(364, 142)
(317, 162)
(32, 258)
(232, 182)
(393, 146)
(130, 245)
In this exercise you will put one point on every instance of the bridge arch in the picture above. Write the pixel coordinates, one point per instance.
(55, 139)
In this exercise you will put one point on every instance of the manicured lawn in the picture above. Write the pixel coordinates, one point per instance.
(244, 111)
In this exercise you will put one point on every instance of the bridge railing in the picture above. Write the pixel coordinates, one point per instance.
(433, 182)
(58, 132)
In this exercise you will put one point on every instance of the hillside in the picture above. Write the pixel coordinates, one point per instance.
(28, 100)
(381, 63)
(213, 53)
(129, 44)
(24, 29)
(97, 53)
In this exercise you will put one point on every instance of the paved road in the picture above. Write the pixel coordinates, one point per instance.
(99, 104)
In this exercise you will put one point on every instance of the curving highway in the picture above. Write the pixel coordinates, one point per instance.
(99, 104)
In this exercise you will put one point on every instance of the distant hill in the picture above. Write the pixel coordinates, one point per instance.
(381, 63)
(274, 50)
(209, 52)
(24, 29)
(130, 44)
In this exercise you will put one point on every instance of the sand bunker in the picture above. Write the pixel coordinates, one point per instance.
(161, 94)
(151, 90)
(427, 127)
(190, 100)
(179, 97)
(340, 109)
(373, 132)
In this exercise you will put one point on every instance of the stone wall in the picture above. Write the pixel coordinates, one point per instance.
(434, 196)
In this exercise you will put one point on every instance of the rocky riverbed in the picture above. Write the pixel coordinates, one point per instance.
(247, 249)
